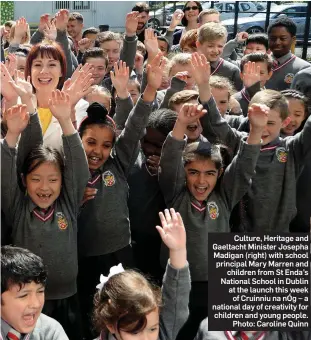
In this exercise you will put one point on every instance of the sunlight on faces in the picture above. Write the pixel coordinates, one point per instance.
(254, 48)
(280, 41)
(184, 68)
(97, 141)
(44, 184)
(212, 49)
(150, 332)
(21, 307)
(201, 177)
(194, 130)
(192, 15)
(210, 18)
(222, 99)
(273, 127)
(297, 115)
(264, 74)
(98, 69)
(74, 28)
(113, 49)
(45, 73)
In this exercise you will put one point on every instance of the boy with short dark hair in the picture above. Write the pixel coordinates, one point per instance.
(212, 38)
(282, 35)
(74, 28)
(23, 279)
(270, 203)
(256, 70)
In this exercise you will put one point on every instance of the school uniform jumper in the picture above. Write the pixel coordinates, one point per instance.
(175, 298)
(52, 236)
(104, 237)
(46, 329)
(245, 96)
(284, 71)
(200, 218)
(270, 203)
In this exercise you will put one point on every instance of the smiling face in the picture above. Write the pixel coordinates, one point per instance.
(150, 332)
(297, 115)
(112, 49)
(98, 69)
(45, 73)
(97, 142)
(74, 28)
(142, 20)
(212, 49)
(21, 307)
(201, 176)
(152, 142)
(192, 13)
(280, 41)
(44, 184)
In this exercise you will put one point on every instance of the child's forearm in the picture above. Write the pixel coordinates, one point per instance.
(179, 130)
(67, 127)
(254, 136)
(178, 258)
(11, 139)
(149, 94)
(204, 92)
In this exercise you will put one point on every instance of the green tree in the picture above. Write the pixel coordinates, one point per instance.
(7, 11)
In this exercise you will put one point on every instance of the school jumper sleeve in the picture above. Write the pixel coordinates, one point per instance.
(301, 144)
(212, 122)
(171, 171)
(123, 109)
(127, 144)
(128, 51)
(62, 39)
(30, 138)
(76, 173)
(11, 195)
(230, 46)
(175, 295)
(36, 38)
(176, 86)
(238, 175)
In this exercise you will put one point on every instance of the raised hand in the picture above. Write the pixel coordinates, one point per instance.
(120, 77)
(200, 69)
(17, 119)
(251, 74)
(11, 63)
(258, 115)
(85, 44)
(44, 20)
(176, 19)
(153, 164)
(155, 71)
(151, 43)
(190, 113)
(7, 89)
(181, 76)
(21, 28)
(89, 194)
(173, 235)
(131, 23)
(139, 63)
(86, 68)
(50, 31)
(241, 37)
(61, 19)
(60, 106)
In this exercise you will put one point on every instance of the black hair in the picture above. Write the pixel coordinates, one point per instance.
(90, 30)
(161, 38)
(284, 21)
(97, 114)
(258, 38)
(184, 21)
(257, 57)
(141, 7)
(42, 154)
(20, 266)
(163, 120)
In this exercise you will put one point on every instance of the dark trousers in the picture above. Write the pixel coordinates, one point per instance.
(90, 269)
(198, 310)
(67, 313)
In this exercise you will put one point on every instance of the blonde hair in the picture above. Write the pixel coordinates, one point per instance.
(181, 59)
(26, 37)
(221, 83)
(208, 11)
(211, 31)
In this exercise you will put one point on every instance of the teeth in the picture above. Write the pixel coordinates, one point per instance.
(44, 195)
(94, 159)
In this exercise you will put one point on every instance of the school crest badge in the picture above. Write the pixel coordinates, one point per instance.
(61, 221)
(213, 210)
(289, 78)
(108, 178)
(281, 155)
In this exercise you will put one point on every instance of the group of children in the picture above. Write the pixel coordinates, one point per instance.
(91, 154)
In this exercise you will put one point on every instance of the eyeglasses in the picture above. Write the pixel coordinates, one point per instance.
(191, 8)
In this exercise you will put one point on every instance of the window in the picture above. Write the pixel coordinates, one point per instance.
(230, 7)
(62, 5)
(245, 7)
(219, 7)
(295, 12)
(81, 5)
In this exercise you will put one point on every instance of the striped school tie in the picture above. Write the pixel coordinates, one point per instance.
(13, 335)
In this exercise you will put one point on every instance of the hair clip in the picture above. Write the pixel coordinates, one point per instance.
(113, 271)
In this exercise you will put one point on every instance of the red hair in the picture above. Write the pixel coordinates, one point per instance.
(50, 50)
